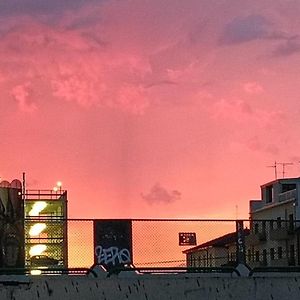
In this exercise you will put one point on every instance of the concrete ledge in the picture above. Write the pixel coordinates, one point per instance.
(156, 287)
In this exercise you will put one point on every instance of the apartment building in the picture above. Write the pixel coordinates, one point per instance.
(274, 226)
(274, 236)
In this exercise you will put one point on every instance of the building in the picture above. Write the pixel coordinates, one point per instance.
(11, 225)
(214, 253)
(46, 228)
(274, 236)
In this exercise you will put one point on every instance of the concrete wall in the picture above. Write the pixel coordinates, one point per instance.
(160, 287)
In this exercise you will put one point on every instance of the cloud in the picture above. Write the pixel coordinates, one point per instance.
(253, 88)
(14, 7)
(90, 75)
(289, 47)
(21, 95)
(241, 30)
(236, 110)
(159, 194)
(112, 54)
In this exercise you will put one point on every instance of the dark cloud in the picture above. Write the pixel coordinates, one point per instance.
(289, 47)
(241, 30)
(159, 194)
(15, 7)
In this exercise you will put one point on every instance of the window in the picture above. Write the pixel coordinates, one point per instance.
(192, 261)
(269, 194)
(288, 187)
(199, 261)
(233, 256)
(249, 255)
(265, 257)
(291, 222)
(256, 255)
(292, 255)
(272, 253)
(264, 227)
(279, 222)
(279, 252)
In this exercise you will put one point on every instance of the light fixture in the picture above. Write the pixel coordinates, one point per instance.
(37, 249)
(36, 229)
(35, 272)
(59, 183)
(55, 189)
(37, 208)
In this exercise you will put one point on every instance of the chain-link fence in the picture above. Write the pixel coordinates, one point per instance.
(197, 243)
(160, 243)
(163, 243)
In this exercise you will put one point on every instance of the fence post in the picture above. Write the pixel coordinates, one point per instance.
(240, 242)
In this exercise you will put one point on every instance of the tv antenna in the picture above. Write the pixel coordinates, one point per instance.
(275, 168)
(283, 167)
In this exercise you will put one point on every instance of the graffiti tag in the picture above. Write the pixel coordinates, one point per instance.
(112, 255)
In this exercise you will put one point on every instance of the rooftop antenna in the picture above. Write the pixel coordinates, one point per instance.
(236, 211)
(275, 168)
(283, 167)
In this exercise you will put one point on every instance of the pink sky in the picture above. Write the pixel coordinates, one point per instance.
(150, 108)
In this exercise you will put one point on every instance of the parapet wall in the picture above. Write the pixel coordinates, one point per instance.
(150, 287)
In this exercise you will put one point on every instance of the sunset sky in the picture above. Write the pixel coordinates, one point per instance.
(159, 108)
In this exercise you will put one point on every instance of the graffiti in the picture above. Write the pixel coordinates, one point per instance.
(112, 255)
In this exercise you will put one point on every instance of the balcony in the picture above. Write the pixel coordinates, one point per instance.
(255, 238)
(281, 233)
(289, 195)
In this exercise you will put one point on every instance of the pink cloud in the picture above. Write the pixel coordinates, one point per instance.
(21, 93)
(253, 88)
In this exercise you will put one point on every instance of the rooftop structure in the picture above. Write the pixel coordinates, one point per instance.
(46, 228)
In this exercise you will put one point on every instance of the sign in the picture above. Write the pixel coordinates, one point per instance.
(240, 242)
(187, 239)
(112, 243)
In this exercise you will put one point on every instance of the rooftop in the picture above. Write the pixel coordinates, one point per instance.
(221, 241)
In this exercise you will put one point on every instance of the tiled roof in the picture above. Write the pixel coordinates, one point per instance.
(221, 241)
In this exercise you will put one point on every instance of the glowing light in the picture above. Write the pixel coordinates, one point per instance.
(36, 229)
(55, 189)
(59, 183)
(35, 272)
(37, 208)
(37, 249)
